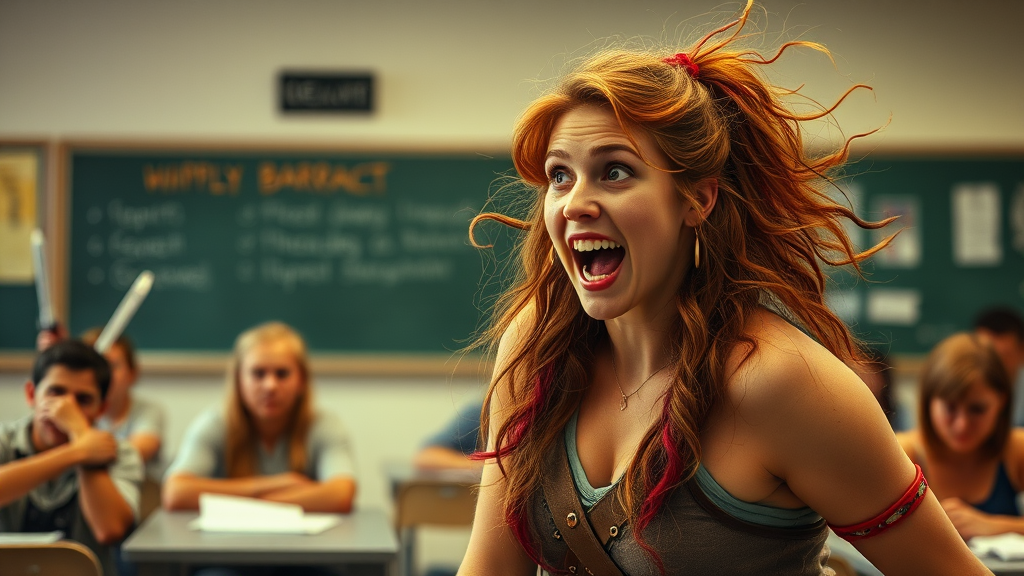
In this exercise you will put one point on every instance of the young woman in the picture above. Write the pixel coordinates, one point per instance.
(670, 394)
(268, 442)
(972, 457)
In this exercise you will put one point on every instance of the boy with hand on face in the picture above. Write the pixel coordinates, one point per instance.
(59, 473)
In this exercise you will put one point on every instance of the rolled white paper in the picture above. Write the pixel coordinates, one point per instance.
(46, 321)
(125, 310)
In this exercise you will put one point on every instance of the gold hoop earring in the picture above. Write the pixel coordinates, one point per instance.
(696, 250)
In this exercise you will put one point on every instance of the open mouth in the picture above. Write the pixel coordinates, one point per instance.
(597, 258)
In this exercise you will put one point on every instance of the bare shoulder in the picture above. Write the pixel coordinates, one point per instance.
(784, 369)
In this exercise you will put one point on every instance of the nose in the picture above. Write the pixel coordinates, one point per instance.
(959, 422)
(580, 203)
(270, 382)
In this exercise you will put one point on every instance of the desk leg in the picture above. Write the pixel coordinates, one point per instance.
(407, 552)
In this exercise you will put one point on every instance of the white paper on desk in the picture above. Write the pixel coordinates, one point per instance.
(30, 537)
(1006, 547)
(218, 513)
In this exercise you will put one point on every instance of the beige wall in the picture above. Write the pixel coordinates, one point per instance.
(459, 71)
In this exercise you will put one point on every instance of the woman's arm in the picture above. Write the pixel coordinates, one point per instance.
(333, 495)
(441, 458)
(493, 548)
(971, 522)
(821, 431)
(147, 444)
(181, 491)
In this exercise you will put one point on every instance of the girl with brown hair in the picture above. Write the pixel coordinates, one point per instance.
(670, 393)
(268, 442)
(972, 457)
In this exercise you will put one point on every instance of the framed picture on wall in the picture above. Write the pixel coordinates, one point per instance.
(24, 166)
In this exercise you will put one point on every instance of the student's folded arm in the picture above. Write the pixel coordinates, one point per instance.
(824, 434)
(442, 457)
(104, 508)
(333, 495)
(19, 477)
(147, 444)
(181, 490)
(971, 522)
(493, 548)
(331, 452)
(147, 431)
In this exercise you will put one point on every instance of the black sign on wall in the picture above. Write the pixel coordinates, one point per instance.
(326, 92)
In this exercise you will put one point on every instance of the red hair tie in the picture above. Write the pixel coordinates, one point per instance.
(683, 61)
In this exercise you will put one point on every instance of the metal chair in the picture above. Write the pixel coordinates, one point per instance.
(430, 502)
(64, 558)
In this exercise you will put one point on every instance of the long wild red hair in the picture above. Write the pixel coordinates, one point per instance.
(764, 245)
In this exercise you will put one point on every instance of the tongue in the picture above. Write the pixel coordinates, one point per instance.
(606, 261)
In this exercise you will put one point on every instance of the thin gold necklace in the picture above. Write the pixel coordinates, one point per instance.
(625, 397)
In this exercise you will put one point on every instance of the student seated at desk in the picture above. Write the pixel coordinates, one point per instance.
(1003, 328)
(57, 472)
(268, 442)
(451, 447)
(135, 420)
(972, 457)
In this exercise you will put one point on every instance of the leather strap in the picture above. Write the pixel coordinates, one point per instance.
(608, 516)
(587, 554)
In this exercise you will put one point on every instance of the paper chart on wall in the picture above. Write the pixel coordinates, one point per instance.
(18, 182)
(976, 215)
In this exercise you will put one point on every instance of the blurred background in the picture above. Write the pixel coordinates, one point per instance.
(453, 75)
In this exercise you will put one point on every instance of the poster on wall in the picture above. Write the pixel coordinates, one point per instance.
(19, 183)
(976, 224)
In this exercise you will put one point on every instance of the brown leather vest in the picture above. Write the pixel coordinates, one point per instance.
(691, 535)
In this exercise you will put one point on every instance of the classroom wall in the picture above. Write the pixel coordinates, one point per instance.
(456, 73)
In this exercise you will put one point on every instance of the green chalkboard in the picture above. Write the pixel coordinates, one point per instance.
(961, 247)
(363, 252)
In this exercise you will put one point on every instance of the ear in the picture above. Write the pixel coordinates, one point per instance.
(705, 193)
(30, 394)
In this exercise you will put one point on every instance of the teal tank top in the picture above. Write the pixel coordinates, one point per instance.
(747, 511)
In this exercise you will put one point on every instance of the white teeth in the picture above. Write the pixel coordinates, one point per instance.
(590, 278)
(590, 245)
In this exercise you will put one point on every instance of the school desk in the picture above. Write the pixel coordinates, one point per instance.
(363, 543)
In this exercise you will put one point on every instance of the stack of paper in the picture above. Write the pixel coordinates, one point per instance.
(1006, 547)
(218, 513)
(30, 537)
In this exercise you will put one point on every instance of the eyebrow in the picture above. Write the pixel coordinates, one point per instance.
(597, 151)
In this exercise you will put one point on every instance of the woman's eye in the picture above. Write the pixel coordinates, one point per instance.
(558, 177)
(259, 373)
(282, 373)
(619, 173)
